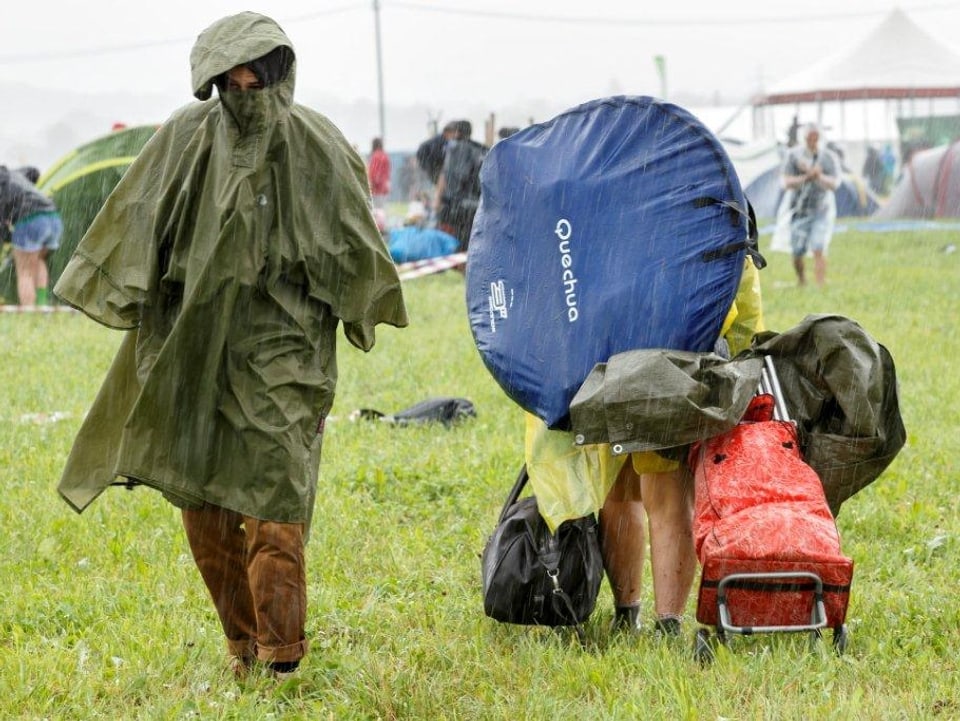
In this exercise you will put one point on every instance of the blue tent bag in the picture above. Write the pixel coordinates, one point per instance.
(618, 225)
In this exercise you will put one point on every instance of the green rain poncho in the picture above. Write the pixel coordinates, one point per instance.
(230, 251)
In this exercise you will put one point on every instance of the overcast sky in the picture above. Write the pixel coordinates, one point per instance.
(451, 54)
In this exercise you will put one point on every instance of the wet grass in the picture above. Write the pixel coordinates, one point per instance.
(104, 616)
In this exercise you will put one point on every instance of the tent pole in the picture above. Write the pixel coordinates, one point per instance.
(380, 106)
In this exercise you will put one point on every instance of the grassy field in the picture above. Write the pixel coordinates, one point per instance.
(104, 615)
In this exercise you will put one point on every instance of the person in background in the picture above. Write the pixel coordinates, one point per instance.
(230, 251)
(378, 170)
(457, 195)
(32, 222)
(889, 162)
(410, 181)
(432, 151)
(873, 171)
(811, 175)
(793, 132)
(430, 156)
(30, 172)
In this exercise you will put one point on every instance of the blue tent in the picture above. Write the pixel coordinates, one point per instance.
(619, 224)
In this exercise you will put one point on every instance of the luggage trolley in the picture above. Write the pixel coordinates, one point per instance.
(766, 540)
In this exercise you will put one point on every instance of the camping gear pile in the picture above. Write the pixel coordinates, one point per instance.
(607, 249)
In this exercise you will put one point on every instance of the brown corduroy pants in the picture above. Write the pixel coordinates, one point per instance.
(256, 574)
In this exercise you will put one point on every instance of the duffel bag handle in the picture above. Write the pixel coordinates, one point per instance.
(515, 492)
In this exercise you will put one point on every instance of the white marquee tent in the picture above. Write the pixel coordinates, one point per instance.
(898, 63)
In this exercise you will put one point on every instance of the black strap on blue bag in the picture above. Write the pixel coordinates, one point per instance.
(751, 244)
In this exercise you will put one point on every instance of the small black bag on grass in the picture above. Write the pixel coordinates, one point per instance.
(533, 577)
(441, 410)
(444, 410)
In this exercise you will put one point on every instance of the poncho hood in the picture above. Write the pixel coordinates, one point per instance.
(233, 41)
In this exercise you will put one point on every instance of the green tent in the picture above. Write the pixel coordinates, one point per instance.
(79, 184)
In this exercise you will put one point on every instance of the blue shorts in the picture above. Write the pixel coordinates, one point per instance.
(38, 232)
(809, 232)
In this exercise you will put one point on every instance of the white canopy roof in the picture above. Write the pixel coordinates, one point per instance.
(897, 60)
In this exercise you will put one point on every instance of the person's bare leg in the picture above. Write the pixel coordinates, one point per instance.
(819, 268)
(798, 267)
(622, 544)
(668, 500)
(26, 265)
(42, 275)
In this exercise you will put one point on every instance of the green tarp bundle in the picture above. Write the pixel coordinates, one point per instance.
(838, 383)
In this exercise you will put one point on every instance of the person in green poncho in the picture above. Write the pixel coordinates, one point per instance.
(229, 253)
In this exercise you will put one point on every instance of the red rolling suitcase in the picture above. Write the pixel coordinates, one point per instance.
(767, 542)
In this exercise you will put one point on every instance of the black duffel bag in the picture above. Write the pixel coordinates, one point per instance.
(531, 576)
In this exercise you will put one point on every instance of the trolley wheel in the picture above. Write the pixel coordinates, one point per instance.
(840, 638)
(702, 650)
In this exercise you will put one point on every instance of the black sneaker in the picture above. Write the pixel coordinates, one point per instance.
(283, 670)
(626, 619)
(667, 627)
